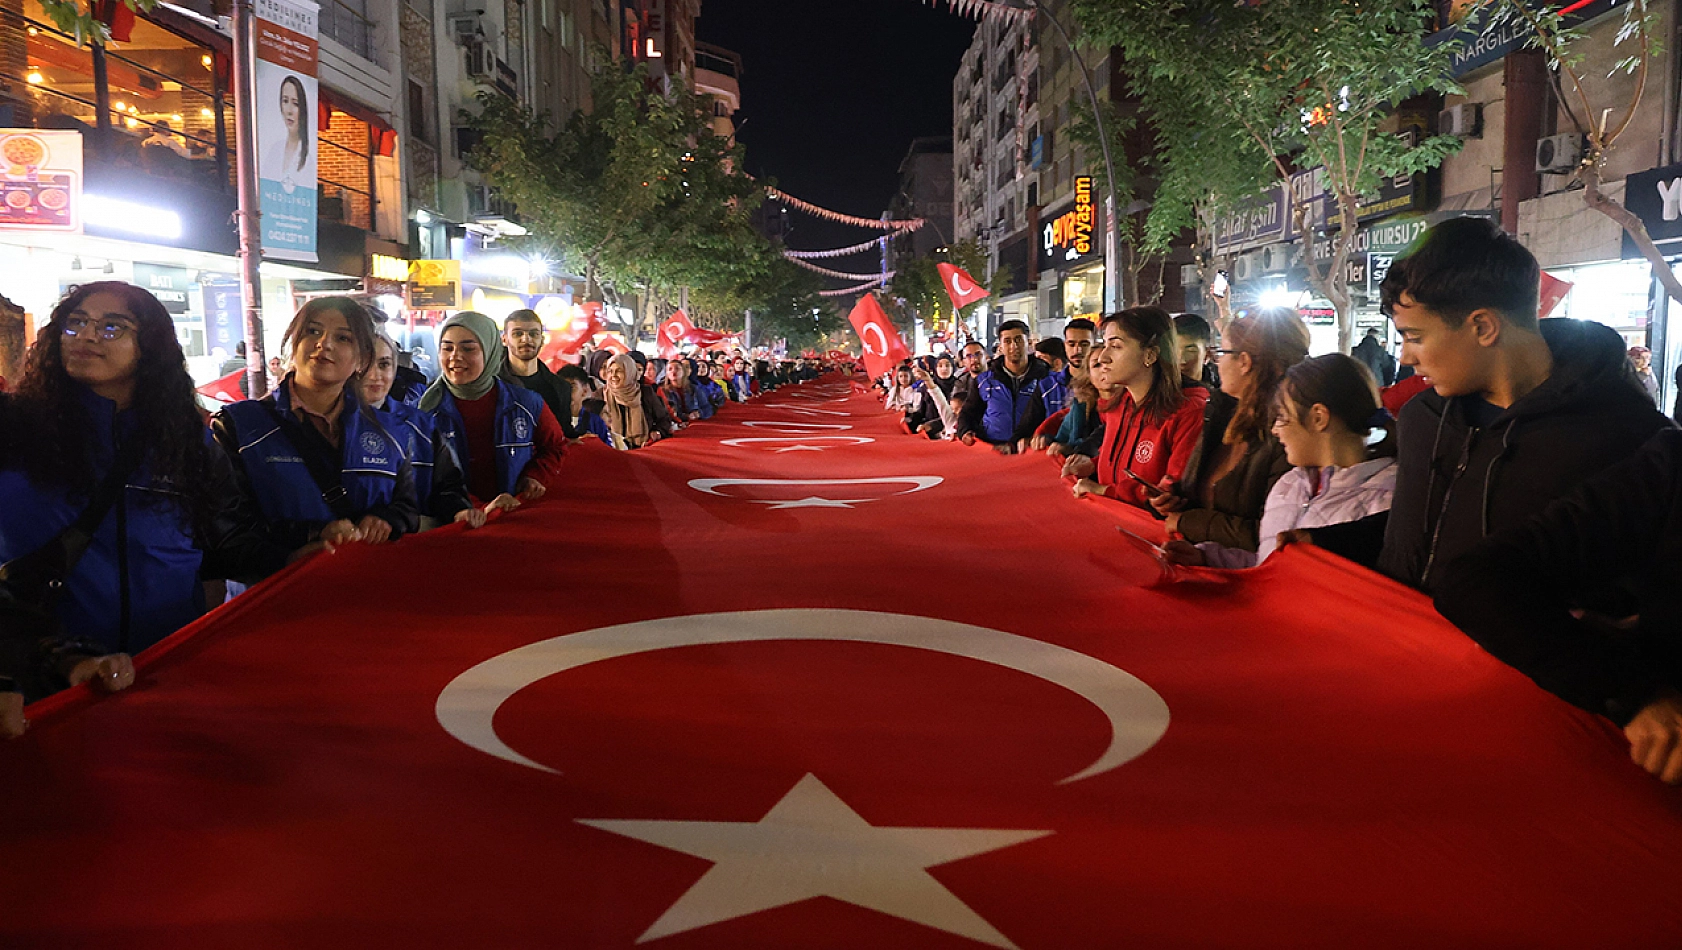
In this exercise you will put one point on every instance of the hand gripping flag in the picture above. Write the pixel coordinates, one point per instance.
(883, 349)
(960, 286)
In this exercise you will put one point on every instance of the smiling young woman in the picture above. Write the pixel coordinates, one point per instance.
(105, 418)
(324, 467)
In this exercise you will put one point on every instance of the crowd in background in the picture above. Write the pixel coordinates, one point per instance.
(1516, 469)
(123, 514)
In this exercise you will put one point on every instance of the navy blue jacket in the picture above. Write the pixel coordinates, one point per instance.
(517, 412)
(139, 580)
(374, 472)
(440, 482)
(1001, 408)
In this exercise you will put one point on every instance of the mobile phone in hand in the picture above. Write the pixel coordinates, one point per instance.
(1151, 491)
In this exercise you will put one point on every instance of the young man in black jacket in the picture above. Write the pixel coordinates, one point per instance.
(1520, 411)
(523, 335)
(1511, 595)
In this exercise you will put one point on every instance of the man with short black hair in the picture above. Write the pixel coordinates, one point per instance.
(1196, 338)
(1520, 412)
(1054, 388)
(523, 336)
(1004, 406)
(1079, 336)
(972, 362)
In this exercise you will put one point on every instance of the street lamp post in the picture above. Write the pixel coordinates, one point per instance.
(1116, 274)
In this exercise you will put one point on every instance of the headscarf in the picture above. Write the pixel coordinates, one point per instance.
(597, 366)
(484, 330)
(622, 404)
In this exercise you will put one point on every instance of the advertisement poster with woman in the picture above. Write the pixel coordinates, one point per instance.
(286, 110)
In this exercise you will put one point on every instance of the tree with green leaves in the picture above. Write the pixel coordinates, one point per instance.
(637, 195)
(785, 304)
(1600, 110)
(1242, 95)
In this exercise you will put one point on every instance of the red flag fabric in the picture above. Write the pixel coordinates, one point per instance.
(225, 389)
(960, 286)
(613, 344)
(818, 684)
(883, 349)
(1552, 291)
(673, 333)
(579, 332)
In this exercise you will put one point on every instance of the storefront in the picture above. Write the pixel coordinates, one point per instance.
(1070, 259)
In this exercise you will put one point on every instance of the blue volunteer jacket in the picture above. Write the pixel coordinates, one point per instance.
(517, 412)
(375, 474)
(1002, 409)
(712, 396)
(143, 553)
(1054, 391)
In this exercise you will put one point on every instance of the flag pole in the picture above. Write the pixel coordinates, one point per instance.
(249, 213)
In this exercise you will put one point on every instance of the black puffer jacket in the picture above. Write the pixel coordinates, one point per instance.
(1456, 484)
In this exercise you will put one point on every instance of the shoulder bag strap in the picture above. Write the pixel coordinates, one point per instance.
(333, 494)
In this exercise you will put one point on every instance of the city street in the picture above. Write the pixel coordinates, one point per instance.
(797, 679)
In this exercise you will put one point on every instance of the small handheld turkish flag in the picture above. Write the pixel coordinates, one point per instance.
(673, 333)
(1552, 291)
(883, 349)
(584, 326)
(225, 389)
(960, 286)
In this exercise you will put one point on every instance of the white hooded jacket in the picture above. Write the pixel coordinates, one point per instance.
(1298, 500)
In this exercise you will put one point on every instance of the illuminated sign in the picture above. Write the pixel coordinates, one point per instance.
(1068, 236)
(434, 285)
(386, 267)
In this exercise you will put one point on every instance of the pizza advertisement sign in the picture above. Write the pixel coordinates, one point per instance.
(40, 180)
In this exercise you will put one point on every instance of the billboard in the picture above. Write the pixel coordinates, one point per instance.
(287, 96)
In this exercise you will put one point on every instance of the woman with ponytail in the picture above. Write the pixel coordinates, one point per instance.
(1326, 415)
(324, 467)
(1239, 460)
(1151, 424)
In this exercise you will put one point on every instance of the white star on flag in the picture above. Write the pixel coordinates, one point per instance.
(812, 844)
(810, 501)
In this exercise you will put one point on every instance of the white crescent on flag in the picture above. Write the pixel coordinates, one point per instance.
(958, 286)
(865, 339)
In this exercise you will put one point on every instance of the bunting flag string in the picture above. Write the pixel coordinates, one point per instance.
(910, 224)
(869, 245)
(841, 274)
(861, 288)
(986, 9)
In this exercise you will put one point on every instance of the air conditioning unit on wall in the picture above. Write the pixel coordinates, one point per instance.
(1559, 154)
(1462, 121)
(1247, 266)
(481, 62)
(1275, 258)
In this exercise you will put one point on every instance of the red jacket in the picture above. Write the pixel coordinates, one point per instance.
(1153, 450)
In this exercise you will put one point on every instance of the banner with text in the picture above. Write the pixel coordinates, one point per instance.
(285, 110)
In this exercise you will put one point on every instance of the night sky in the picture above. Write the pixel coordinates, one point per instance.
(833, 92)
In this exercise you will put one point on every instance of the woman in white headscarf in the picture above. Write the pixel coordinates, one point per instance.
(635, 413)
(508, 441)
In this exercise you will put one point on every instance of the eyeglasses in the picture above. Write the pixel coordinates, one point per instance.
(1222, 352)
(86, 327)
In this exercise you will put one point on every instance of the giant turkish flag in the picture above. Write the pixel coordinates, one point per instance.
(960, 286)
(883, 349)
(809, 682)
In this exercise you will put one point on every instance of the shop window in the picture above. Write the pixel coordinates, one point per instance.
(165, 100)
(345, 168)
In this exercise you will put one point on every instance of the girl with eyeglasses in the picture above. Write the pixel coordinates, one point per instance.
(104, 423)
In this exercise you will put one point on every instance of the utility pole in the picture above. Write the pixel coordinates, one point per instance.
(250, 213)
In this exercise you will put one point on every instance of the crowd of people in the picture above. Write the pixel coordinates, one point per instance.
(1516, 469)
(126, 508)
(1523, 476)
